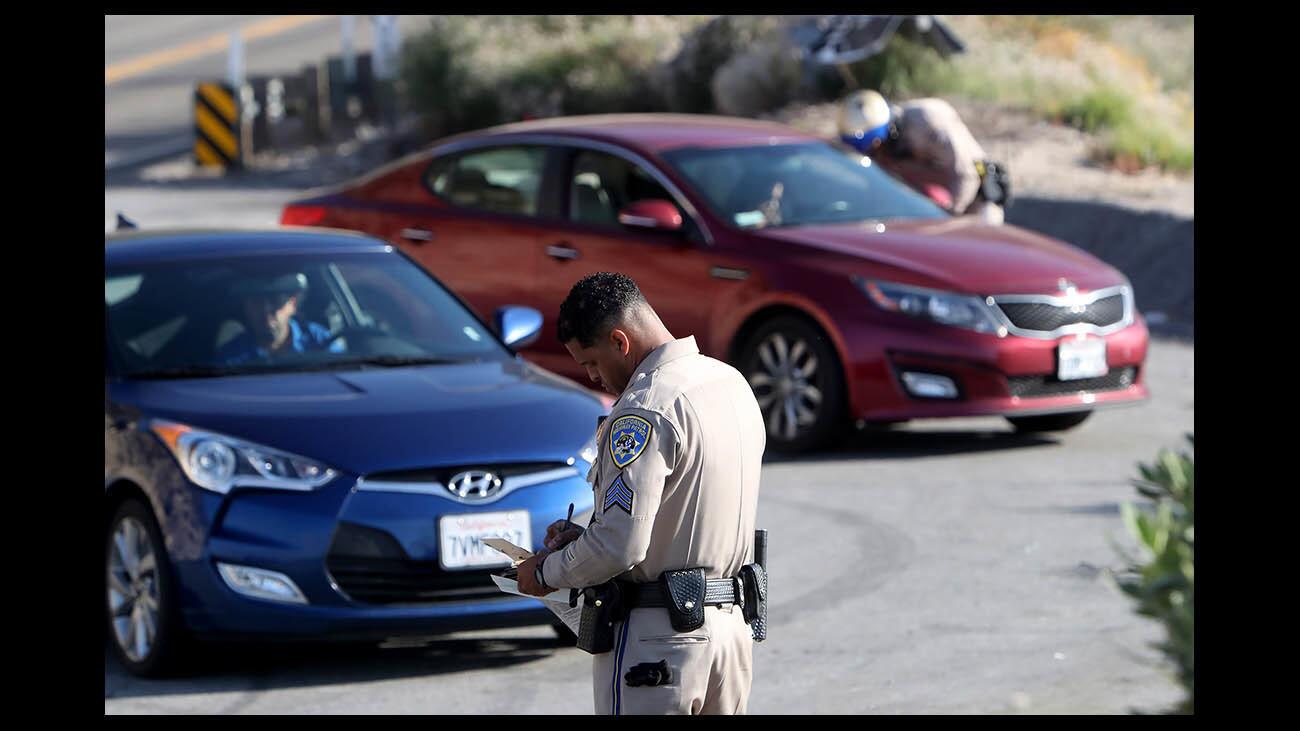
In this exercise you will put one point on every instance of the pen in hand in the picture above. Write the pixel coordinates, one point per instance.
(568, 523)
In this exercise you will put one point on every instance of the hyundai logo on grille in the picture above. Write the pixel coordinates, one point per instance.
(474, 485)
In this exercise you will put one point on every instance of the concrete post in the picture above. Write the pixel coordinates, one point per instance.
(347, 29)
(235, 60)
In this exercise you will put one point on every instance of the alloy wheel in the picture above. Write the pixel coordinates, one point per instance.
(785, 385)
(133, 589)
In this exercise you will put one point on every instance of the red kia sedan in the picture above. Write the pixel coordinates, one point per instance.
(840, 293)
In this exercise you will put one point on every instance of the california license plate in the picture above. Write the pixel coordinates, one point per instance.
(460, 538)
(1084, 358)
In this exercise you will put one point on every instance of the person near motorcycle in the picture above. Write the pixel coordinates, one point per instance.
(925, 143)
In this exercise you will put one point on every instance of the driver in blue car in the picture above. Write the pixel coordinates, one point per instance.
(271, 326)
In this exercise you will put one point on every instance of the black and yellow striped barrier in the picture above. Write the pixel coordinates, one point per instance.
(217, 128)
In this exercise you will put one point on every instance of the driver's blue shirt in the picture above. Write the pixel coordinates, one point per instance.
(302, 338)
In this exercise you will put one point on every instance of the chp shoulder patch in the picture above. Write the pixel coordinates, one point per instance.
(619, 494)
(628, 436)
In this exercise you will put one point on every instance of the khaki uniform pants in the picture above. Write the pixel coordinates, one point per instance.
(711, 667)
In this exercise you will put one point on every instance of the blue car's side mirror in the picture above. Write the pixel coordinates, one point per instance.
(519, 326)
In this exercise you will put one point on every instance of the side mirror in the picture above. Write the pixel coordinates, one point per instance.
(519, 326)
(656, 214)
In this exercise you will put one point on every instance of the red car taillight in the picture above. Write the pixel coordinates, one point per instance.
(302, 215)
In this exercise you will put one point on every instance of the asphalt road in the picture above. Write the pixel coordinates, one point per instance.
(152, 63)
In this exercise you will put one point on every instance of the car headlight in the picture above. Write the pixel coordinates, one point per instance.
(218, 463)
(945, 308)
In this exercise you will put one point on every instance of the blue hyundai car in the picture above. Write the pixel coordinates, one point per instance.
(306, 436)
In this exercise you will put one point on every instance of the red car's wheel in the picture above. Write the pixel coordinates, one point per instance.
(797, 380)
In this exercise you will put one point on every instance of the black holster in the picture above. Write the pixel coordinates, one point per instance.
(753, 578)
(602, 607)
(684, 595)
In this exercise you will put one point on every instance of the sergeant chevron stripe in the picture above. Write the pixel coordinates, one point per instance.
(619, 494)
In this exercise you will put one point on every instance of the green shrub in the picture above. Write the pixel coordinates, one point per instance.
(1138, 145)
(1161, 579)
(689, 83)
(905, 68)
(760, 80)
(440, 84)
(469, 72)
(1098, 109)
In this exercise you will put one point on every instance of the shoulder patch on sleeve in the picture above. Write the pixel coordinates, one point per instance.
(619, 494)
(628, 437)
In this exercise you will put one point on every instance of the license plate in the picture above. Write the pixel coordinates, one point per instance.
(1082, 359)
(460, 538)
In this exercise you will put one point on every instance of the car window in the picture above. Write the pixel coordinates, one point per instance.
(500, 180)
(281, 312)
(797, 184)
(389, 300)
(600, 185)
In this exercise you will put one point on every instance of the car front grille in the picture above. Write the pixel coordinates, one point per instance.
(369, 566)
(1034, 386)
(444, 474)
(1046, 316)
(380, 581)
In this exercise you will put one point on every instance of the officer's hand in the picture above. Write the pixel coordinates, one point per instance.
(528, 583)
(560, 534)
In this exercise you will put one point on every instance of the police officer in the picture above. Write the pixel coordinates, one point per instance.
(925, 143)
(676, 487)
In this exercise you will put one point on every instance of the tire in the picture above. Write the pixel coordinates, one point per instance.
(794, 371)
(1048, 422)
(565, 636)
(133, 541)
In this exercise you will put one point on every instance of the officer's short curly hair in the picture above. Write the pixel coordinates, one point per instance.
(594, 304)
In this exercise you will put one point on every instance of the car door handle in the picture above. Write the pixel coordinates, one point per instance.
(562, 252)
(417, 235)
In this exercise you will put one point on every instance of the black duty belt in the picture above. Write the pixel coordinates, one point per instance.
(716, 593)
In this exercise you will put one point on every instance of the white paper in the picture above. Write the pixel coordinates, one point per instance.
(557, 601)
(516, 554)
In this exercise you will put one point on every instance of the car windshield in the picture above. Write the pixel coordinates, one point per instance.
(254, 314)
(797, 184)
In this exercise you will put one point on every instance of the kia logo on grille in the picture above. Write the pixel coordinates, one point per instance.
(474, 485)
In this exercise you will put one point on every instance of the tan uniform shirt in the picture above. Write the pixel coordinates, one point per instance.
(934, 132)
(676, 482)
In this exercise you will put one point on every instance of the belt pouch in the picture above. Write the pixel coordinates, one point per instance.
(684, 595)
(754, 578)
(601, 608)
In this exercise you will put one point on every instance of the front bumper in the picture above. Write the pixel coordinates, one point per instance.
(1011, 376)
(296, 535)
